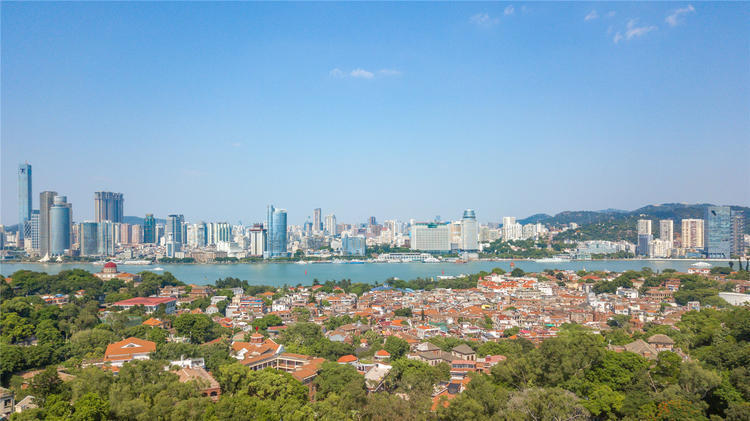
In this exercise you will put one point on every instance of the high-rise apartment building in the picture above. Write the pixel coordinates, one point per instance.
(469, 234)
(644, 237)
(738, 234)
(317, 220)
(60, 224)
(137, 234)
(149, 229)
(692, 234)
(666, 230)
(24, 201)
(108, 206)
(432, 237)
(46, 200)
(511, 230)
(275, 233)
(34, 229)
(718, 232)
(330, 225)
(87, 238)
(257, 240)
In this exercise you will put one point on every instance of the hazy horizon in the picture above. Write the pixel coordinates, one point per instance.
(397, 110)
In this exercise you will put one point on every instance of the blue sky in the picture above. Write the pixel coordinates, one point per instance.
(396, 110)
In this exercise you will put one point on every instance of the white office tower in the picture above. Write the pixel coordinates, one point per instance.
(469, 234)
(431, 237)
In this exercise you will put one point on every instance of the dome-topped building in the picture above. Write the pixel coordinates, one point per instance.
(110, 272)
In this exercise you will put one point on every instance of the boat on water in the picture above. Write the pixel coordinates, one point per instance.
(431, 260)
(157, 269)
(136, 262)
(556, 259)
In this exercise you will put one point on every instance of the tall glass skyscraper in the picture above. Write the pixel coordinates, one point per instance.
(24, 199)
(276, 233)
(149, 229)
(46, 200)
(718, 232)
(87, 238)
(105, 238)
(108, 206)
(61, 219)
(174, 230)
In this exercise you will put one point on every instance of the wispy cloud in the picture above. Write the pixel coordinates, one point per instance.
(633, 31)
(674, 18)
(484, 20)
(509, 10)
(611, 14)
(360, 73)
(591, 16)
(336, 73)
(237, 144)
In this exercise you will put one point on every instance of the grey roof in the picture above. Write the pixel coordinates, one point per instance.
(660, 339)
(463, 349)
(641, 347)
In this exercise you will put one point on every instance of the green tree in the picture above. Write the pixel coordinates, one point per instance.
(90, 407)
(396, 346)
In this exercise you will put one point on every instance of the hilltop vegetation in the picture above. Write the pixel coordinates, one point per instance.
(615, 225)
(575, 375)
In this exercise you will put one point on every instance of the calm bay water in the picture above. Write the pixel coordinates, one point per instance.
(278, 274)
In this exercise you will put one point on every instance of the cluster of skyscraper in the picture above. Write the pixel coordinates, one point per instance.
(719, 236)
(49, 231)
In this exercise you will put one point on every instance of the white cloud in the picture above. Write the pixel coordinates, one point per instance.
(484, 20)
(509, 10)
(361, 73)
(611, 14)
(591, 16)
(336, 73)
(633, 31)
(236, 144)
(674, 18)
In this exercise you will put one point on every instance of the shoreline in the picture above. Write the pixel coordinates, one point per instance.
(265, 262)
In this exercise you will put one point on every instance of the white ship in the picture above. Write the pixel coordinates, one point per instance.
(556, 259)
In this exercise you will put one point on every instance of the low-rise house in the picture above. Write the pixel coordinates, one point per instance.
(382, 355)
(208, 385)
(151, 304)
(128, 350)
(7, 403)
(661, 342)
(464, 352)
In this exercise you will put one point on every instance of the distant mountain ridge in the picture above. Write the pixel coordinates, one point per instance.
(615, 225)
(137, 220)
(674, 211)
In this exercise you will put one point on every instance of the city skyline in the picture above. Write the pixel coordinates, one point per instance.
(409, 111)
(106, 203)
